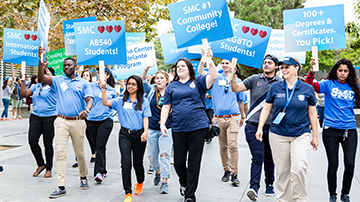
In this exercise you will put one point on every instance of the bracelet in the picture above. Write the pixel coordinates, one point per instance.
(233, 81)
(162, 126)
(88, 111)
(243, 117)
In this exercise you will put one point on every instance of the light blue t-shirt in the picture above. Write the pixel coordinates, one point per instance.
(225, 103)
(339, 105)
(71, 94)
(208, 101)
(128, 117)
(99, 112)
(44, 100)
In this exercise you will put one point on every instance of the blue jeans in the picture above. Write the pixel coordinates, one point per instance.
(6, 103)
(320, 111)
(159, 151)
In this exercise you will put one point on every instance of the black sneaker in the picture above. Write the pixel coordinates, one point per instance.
(332, 198)
(190, 200)
(75, 165)
(92, 160)
(182, 190)
(226, 176)
(234, 181)
(345, 198)
(151, 170)
(157, 179)
(269, 191)
(84, 184)
(57, 193)
(252, 194)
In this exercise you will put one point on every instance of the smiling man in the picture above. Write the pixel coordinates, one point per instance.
(74, 102)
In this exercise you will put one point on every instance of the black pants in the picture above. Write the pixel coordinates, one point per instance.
(332, 138)
(100, 132)
(90, 139)
(131, 143)
(45, 126)
(192, 142)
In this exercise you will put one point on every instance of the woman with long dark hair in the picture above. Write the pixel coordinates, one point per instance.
(340, 89)
(134, 113)
(6, 90)
(184, 96)
(33, 81)
(100, 123)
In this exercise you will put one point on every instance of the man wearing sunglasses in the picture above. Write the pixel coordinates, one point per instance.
(227, 108)
(259, 85)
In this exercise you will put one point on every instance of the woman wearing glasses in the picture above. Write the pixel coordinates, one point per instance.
(184, 96)
(294, 110)
(134, 113)
(42, 122)
(341, 87)
(159, 146)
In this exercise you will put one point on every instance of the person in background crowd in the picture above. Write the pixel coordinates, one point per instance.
(294, 110)
(17, 99)
(341, 87)
(74, 102)
(184, 96)
(29, 101)
(27, 81)
(209, 109)
(6, 92)
(42, 122)
(122, 88)
(320, 106)
(259, 85)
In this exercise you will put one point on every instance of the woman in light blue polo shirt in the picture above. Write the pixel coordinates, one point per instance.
(294, 106)
(100, 123)
(134, 113)
(41, 122)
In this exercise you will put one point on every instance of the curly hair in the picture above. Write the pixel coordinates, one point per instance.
(352, 78)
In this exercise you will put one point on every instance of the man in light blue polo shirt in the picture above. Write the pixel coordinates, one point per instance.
(71, 91)
(227, 107)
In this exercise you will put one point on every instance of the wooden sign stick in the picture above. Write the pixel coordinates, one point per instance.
(102, 71)
(23, 69)
(233, 69)
(316, 56)
(206, 46)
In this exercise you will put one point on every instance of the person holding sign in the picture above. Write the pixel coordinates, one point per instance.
(341, 87)
(74, 102)
(294, 106)
(159, 146)
(259, 86)
(41, 122)
(227, 107)
(184, 96)
(134, 113)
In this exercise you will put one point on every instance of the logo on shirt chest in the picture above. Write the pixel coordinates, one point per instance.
(342, 95)
(192, 85)
(78, 87)
(280, 95)
(301, 98)
(259, 84)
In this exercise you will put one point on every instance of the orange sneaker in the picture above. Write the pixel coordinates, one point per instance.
(7, 119)
(1, 119)
(19, 117)
(14, 118)
(128, 198)
(138, 188)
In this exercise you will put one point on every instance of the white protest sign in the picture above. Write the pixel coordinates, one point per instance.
(43, 24)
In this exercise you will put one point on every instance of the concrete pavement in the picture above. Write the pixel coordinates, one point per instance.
(17, 183)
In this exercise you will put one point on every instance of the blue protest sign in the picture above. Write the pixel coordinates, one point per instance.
(43, 24)
(171, 52)
(97, 41)
(248, 44)
(20, 45)
(69, 34)
(133, 38)
(198, 19)
(196, 66)
(323, 27)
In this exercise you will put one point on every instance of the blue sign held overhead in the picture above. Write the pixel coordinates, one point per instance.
(323, 27)
(69, 34)
(134, 38)
(248, 44)
(97, 41)
(43, 24)
(171, 52)
(198, 19)
(20, 45)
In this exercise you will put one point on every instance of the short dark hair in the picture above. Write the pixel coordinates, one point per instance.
(52, 71)
(72, 59)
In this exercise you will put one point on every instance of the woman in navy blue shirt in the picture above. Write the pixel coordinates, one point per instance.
(294, 110)
(189, 121)
(340, 89)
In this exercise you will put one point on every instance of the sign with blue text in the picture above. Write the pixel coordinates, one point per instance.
(138, 56)
(198, 19)
(276, 47)
(171, 52)
(97, 41)
(133, 38)
(43, 24)
(248, 44)
(20, 45)
(323, 27)
(69, 34)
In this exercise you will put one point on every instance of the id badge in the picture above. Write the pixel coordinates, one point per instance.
(63, 86)
(100, 95)
(128, 105)
(222, 83)
(279, 117)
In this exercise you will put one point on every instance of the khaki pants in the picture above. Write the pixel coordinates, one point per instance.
(229, 128)
(290, 159)
(63, 130)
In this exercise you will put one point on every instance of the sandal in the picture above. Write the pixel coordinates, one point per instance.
(48, 174)
(39, 170)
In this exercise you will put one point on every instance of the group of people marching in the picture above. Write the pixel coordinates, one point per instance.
(172, 118)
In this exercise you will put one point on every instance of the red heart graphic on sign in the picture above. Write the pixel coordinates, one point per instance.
(245, 29)
(33, 37)
(27, 36)
(109, 28)
(254, 31)
(262, 34)
(101, 29)
(117, 28)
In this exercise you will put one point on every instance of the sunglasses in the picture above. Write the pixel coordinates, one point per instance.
(227, 87)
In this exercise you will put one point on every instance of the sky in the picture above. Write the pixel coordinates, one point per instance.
(164, 26)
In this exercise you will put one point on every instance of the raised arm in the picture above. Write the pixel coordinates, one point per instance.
(104, 99)
(311, 76)
(237, 87)
(263, 117)
(146, 69)
(44, 78)
(210, 79)
(24, 92)
(200, 69)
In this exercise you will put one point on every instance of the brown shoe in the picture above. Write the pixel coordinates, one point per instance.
(48, 174)
(38, 170)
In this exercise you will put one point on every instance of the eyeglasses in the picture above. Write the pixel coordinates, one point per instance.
(227, 87)
(131, 84)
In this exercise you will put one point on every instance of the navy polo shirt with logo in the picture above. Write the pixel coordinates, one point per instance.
(296, 121)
